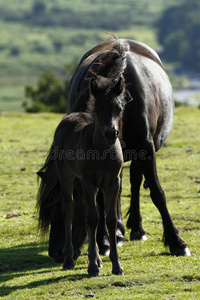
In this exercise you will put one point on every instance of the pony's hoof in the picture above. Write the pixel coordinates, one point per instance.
(104, 248)
(120, 238)
(99, 262)
(137, 236)
(181, 252)
(77, 253)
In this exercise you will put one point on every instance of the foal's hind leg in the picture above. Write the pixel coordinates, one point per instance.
(78, 227)
(171, 237)
(135, 220)
(66, 180)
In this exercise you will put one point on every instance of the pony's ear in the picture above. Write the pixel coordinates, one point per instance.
(127, 97)
(119, 86)
(93, 86)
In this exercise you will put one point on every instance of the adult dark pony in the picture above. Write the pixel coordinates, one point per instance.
(147, 122)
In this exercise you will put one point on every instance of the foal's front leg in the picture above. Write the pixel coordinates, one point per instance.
(92, 219)
(111, 194)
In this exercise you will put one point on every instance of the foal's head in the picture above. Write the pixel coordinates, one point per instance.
(109, 98)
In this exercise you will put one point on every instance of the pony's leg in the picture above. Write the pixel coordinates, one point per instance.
(92, 219)
(171, 237)
(120, 226)
(135, 220)
(57, 239)
(66, 180)
(111, 221)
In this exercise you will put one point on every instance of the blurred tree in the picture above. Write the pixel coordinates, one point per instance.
(15, 51)
(58, 45)
(50, 93)
(179, 29)
(39, 7)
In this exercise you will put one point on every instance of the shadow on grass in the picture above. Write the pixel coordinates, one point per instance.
(23, 260)
(6, 290)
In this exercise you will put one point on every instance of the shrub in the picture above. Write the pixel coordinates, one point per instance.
(39, 7)
(49, 95)
(14, 51)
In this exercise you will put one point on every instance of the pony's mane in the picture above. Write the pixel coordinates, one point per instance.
(110, 63)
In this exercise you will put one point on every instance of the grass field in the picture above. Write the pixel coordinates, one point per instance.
(26, 271)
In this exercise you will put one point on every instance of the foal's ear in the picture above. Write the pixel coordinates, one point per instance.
(93, 86)
(119, 86)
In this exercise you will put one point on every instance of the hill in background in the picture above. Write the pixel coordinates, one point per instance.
(39, 35)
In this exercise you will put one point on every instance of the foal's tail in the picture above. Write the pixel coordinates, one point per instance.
(49, 194)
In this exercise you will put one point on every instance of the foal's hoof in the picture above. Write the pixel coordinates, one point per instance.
(120, 238)
(68, 264)
(93, 274)
(68, 267)
(119, 271)
(93, 269)
(181, 252)
(137, 236)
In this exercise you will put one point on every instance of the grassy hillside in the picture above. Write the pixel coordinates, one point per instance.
(151, 273)
(33, 40)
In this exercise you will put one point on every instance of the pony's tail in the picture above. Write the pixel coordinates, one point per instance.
(49, 194)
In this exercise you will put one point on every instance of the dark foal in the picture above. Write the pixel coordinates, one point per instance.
(77, 137)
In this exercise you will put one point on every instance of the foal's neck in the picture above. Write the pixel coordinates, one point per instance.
(99, 139)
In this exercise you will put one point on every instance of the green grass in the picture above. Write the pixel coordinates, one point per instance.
(26, 271)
